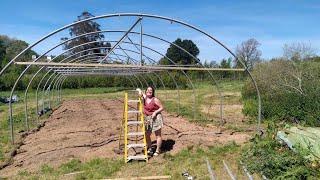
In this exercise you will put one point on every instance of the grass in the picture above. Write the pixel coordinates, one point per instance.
(75, 169)
(191, 160)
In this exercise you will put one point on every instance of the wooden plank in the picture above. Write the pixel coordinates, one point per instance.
(127, 66)
(138, 178)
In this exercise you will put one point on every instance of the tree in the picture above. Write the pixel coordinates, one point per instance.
(298, 52)
(225, 63)
(248, 53)
(82, 28)
(2, 51)
(178, 56)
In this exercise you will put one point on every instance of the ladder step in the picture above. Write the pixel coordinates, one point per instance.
(136, 134)
(138, 157)
(133, 101)
(135, 145)
(133, 111)
(134, 122)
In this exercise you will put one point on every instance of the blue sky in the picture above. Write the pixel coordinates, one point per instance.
(273, 23)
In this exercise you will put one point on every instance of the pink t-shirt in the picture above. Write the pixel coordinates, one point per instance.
(151, 107)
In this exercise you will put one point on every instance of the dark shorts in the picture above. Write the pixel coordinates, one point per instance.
(155, 124)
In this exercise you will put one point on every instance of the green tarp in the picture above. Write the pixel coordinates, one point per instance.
(303, 140)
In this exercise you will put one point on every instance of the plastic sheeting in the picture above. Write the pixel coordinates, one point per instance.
(303, 140)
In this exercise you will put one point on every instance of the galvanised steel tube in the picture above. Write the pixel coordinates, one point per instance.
(55, 89)
(121, 39)
(49, 89)
(60, 88)
(140, 43)
(43, 90)
(40, 82)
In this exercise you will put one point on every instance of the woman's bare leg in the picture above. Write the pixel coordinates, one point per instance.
(159, 140)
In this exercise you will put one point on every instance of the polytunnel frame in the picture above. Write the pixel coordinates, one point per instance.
(50, 86)
(131, 58)
(155, 17)
(127, 32)
(80, 57)
(98, 53)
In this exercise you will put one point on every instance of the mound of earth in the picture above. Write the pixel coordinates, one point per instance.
(87, 129)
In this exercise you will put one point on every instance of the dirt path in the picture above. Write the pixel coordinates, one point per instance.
(87, 129)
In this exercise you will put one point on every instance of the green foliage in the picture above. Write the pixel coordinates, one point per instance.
(100, 168)
(83, 28)
(289, 91)
(178, 56)
(269, 157)
(169, 81)
(2, 51)
(46, 169)
(250, 108)
(226, 63)
(71, 166)
(9, 48)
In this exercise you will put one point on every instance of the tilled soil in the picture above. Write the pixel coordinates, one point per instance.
(87, 129)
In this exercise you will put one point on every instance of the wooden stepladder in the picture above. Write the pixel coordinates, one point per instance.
(133, 128)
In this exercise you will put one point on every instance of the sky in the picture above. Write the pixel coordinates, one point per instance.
(272, 23)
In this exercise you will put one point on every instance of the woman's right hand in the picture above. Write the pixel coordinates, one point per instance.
(139, 91)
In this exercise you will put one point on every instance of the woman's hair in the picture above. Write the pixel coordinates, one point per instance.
(153, 90)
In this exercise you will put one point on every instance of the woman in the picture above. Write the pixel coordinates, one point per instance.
(153, 118)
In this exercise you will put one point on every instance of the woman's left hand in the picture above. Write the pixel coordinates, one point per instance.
(154, 114)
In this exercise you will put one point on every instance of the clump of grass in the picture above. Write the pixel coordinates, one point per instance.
(94, 169)
(192, 160)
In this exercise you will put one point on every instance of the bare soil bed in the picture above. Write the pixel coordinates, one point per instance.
(87, 129)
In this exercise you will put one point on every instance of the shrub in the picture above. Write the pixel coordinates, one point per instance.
(268, 157)
(289, 91)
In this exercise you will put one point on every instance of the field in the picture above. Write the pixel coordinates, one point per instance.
(80, 136)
